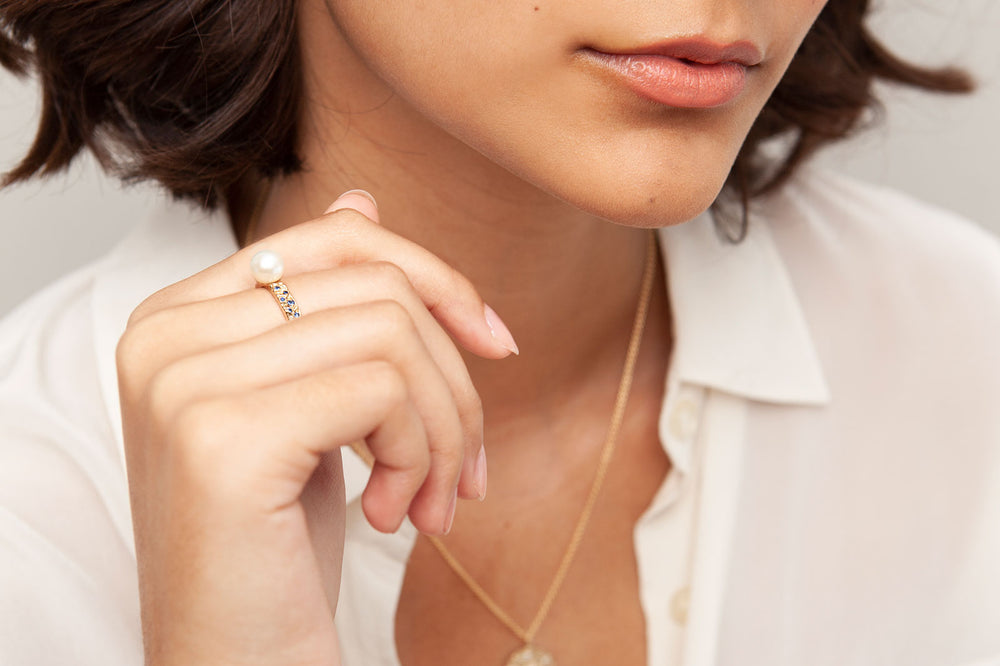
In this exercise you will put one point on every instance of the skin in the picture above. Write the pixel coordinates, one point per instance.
(508, 170)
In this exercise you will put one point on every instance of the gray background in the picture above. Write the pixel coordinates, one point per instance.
(943, 150)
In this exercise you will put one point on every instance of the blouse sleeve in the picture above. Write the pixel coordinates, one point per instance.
(68, 590)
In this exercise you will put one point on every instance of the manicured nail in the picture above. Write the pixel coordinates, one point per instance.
(341, 203)
(450, 516)
(500, 332)
(365, 193)
(480, 473)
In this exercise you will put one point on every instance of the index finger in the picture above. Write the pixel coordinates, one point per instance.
(347, 236)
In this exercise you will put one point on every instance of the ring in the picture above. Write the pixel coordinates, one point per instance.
(267, 269)
(284, 299)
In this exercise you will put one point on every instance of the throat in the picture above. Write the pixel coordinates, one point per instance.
(513, 544)
(512, 549)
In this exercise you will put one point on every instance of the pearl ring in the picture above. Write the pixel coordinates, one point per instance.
(267, 269)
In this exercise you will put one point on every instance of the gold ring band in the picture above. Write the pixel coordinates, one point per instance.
(283, 298)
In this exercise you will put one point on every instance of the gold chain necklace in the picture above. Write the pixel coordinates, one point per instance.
(530, 654)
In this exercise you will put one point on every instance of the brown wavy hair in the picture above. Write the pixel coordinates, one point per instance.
(197, 94)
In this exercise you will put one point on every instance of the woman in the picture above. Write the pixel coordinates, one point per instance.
(805, 463)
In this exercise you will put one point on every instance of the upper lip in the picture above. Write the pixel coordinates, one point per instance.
(700, 50)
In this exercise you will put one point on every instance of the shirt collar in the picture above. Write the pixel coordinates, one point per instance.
(738, 324)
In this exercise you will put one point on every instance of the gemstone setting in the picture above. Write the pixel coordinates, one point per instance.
(283, 297)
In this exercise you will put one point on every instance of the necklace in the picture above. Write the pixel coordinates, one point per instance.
(530, 654)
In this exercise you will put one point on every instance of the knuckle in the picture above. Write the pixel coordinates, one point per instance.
(149, 306)
(388, 381)
(471, 407)
(469, 399)
(142, 333)
(163, 394)
(414, 476)
(140, 312)
(456, 437)
(126, 350)
(389, 275)
(461, 286)
(388, 270)
(453, 288)
(137, 350)
(391, 318)
(449, 448)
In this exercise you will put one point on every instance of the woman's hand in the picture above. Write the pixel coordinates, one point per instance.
(234, 419)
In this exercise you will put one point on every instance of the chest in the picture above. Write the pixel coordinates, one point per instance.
(513, 553)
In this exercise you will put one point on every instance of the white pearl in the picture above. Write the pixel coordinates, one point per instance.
(267, 267)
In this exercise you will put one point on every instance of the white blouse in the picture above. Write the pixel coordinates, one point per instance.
(832, 413)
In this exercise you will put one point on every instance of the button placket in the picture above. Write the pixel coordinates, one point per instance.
(684, 416)
(683, 419)
(679, 427)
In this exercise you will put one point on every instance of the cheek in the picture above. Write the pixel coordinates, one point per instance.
(432, 52)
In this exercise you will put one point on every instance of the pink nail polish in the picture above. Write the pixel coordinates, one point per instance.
(338, 203)
(450, 516)
(364, 193)
(480, 474)
(499, 331)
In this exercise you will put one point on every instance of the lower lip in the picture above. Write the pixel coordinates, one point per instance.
(679, 83)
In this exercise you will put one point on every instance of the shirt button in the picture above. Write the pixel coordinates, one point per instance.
(679, 605)
(684, 418)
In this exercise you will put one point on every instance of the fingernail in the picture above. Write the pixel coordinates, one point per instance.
(340, 203)
(500, 332)
(365, 193)
(480, 473)
(450, 517)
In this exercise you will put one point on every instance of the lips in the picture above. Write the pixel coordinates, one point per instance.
(689, 73)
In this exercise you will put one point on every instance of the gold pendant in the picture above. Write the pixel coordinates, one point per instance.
(531, 655)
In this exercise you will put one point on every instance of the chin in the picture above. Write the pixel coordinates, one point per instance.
(657, 205)
(651, 177)
(641, 198)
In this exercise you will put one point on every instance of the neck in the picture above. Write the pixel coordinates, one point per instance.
(565, 282)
